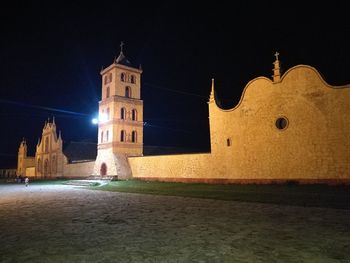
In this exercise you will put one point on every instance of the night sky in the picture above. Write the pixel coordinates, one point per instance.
(51, 56)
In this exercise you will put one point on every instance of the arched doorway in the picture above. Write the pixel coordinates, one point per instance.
(103, 170)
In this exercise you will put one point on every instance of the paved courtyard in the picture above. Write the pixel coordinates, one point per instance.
(57, 223)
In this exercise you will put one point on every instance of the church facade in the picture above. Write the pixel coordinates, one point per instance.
(51, 160)
(293, 127)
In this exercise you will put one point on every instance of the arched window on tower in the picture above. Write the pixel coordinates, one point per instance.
(107, 135)
(47, 144)
(110, 77)
(127, 92)
(122, 77)
(107, 113)
(122, 136)
(133, 79)
(101, 136)
(105, 79)
(134, 115)
(122, 113)
(133, 136)
(107, 92)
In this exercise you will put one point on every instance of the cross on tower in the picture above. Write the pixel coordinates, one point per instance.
(276, 55)
(121, 46)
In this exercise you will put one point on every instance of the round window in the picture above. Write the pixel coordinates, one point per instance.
(281, 123)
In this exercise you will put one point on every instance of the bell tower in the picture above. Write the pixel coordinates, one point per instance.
(120, 126)
(22, 155)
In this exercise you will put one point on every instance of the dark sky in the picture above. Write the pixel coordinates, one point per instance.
(51, 55)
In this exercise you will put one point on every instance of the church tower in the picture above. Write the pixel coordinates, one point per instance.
(23, 160)
(22, 156)
(120, 127)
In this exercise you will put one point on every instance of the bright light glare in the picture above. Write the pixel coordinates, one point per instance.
(94, 121)
(102, 117)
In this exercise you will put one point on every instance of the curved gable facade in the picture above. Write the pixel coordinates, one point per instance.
(296, 128)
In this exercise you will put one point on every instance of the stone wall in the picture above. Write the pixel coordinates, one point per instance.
(78, 170)
(248, 145)
(8, 173)
(173, 167)
(30, 172)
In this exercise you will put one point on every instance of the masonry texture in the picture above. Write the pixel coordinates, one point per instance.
(296, 128)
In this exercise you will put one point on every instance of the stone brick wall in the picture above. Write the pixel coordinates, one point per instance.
(247, 145)
(172, 166)
(78, 170)
(30, 171)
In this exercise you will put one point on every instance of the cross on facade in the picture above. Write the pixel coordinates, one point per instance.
(276, 55)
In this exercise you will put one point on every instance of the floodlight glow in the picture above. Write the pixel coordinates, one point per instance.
(102, 117)
(94, 121)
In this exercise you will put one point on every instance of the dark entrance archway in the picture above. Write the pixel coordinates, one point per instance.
(103, 170)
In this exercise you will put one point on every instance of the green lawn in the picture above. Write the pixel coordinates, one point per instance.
(298, 195)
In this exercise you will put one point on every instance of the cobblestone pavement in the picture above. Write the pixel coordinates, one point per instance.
(43, 223)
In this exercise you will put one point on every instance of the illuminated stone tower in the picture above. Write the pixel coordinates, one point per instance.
(120, 128)
(23, 161)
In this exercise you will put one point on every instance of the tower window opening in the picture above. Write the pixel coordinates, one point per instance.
(133, 79)
(133, 136)
(228, 142)
(122, 113)
(127, 92)
(134, 115)
(122, 77)
(102, 137)
(107, 92)
(122, 136)
(107, 135)
(107, 113)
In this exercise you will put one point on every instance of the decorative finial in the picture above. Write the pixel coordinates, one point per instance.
(212, 94)
(53, 120)
(276, 70)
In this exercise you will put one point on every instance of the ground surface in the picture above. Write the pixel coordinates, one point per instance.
(60, 223)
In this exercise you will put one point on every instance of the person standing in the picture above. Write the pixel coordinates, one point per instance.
(26, 181)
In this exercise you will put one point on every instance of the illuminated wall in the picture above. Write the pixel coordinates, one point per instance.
(295, 128)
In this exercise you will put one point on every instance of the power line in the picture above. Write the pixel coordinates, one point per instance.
(41, 107)
(176, 91)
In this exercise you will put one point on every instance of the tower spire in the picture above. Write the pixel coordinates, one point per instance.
(121, 59)
(212, 92)
(276, 70)
(121, 47)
